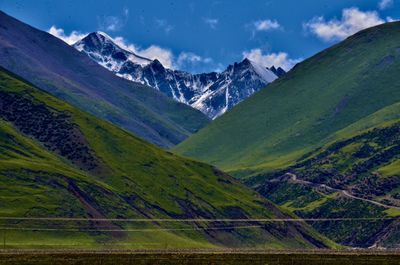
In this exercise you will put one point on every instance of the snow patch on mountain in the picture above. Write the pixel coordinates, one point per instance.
(263, 72)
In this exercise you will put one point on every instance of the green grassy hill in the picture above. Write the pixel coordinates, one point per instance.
(307, 107)
(59, 162)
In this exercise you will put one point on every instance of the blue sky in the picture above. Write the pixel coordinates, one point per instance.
(208, 35)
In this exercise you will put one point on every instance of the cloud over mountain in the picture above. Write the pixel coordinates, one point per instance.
(352, 21)
(73, 37)
(280, 59)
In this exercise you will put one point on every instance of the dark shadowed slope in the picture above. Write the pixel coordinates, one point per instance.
(306, 107)
(56, 161)
(61, 70)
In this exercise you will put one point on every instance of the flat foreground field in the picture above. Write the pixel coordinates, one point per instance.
(200, 257)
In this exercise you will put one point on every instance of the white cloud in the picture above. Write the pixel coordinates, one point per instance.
(280, 59)
(113, 23)
(192, 62)
(264, 25)
(192, 57)
(384, 4)
(212, 22)
(352, 21)
(120, 41)
(165, 56)
(218, 68)
(125, 11)
(390, 19)
(73, 37)
(164, 25)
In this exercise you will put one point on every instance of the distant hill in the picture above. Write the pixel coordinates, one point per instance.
(59, 162)
(66, 73)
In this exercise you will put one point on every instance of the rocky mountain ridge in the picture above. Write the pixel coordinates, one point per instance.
(212, 93)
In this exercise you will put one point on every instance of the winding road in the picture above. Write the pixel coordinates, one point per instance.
(345, 193)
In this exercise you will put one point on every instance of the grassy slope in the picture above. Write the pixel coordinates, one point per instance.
(134, 180)
(366, 164)
(306, 108)
(54, 66)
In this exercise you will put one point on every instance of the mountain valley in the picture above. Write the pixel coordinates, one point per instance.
(337, 136)
(102, 148)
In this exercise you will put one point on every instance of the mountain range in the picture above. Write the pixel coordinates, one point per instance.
(211, 93)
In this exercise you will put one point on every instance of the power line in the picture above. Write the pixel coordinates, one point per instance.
(128, 230)
(179, 220)
(195, 219)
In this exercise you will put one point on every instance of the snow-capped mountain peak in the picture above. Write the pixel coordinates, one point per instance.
(264, 72)
(212, 93)
(105, 35)
(233, 85)
(101, 48)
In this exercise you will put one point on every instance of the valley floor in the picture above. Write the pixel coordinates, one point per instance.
(220, 257)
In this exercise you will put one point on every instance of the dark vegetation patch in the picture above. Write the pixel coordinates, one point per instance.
(351, 162)
(341, 105)
(52, 128)
(353, 232)
(386, 61)
(223, 177)
(92, 211)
